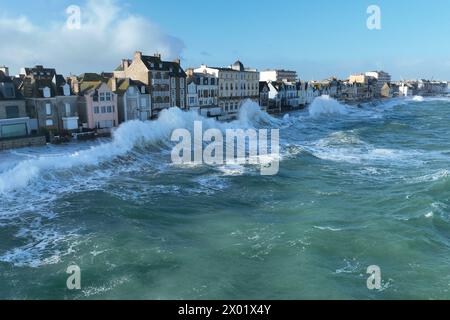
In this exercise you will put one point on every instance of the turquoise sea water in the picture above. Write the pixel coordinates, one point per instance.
(357, 187)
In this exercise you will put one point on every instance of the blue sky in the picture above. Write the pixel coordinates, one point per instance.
(317, 38)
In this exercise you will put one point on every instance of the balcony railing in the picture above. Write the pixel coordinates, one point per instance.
(160, 81)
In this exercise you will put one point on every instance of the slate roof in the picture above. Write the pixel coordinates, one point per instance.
(8, 81)
(155, 63)
(124, 84)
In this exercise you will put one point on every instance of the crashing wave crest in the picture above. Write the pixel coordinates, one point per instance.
(125, 138)
(325, 105)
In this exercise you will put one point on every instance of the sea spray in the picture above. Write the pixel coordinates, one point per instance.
(125, 138)
(325, 105)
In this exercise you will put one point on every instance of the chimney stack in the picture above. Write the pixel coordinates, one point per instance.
(157, 55)
(138, 55)
(125, 64)
(74, 84)
(113, 84)
(178, 61)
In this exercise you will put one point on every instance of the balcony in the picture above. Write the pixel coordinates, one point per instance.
(161, 82)
(161, 93)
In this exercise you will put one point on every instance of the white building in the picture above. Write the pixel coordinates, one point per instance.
(236, 85)
(202, 94)
(382, 79)
(283, 96)
(278, 75)
(406, 90)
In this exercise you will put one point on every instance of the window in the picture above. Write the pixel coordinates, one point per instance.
(191, 101)
(96, 110)
(143, 102)
(109, 109)
(66, 90)
(67, 109)
(48, 109)
(14, 130)
(49, 122)
(12, 112)
(103, 109)
(46, 92)
(9, 91)
(102, 96)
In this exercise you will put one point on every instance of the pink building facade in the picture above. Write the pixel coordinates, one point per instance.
(100, 108)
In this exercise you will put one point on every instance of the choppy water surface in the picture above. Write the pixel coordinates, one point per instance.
(356, 187)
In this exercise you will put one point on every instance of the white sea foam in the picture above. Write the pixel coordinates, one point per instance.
(418, 99)
(324, 105)
(125, 138)
(432, 177)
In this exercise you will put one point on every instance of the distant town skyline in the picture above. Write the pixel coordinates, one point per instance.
(318, 39)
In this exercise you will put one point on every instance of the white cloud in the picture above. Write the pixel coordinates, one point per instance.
(107, 34)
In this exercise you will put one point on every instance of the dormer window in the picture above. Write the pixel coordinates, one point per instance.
(46, 92)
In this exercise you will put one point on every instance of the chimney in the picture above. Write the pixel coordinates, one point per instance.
(74, 84)
(177, 61)
(189, 72)
(125, 64)
(113, 84)
(138, 55)
(157, 55)
(5, 70)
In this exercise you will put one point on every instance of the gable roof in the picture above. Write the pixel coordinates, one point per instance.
(155, 63)
(124, 84)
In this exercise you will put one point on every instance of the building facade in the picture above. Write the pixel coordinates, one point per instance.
(264, 95)
(98, 104)
(133, 99)
(236, 85)
(203, 94)
(166, 81)
(49, 100)
(278, 75)
(14, 121)
(366, 86)
(382, 79)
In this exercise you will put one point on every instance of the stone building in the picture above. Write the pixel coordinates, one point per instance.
(166, 81)
(14, 121)
(49, 99)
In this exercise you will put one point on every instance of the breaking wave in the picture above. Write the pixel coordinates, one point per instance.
(325, 105)
(125, 139)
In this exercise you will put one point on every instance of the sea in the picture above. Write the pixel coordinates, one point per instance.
(358, 188)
